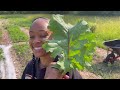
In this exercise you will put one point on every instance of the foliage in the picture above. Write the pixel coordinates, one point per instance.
(75, 44)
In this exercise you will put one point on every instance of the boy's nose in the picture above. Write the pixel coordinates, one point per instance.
(37, 39)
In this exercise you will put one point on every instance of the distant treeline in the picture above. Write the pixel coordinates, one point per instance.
(64, 12)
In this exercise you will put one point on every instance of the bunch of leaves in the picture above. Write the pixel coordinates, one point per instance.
(74, 43)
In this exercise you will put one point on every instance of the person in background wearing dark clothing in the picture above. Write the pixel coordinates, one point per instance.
(40, 65)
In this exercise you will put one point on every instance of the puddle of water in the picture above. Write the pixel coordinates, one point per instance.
(9, 66)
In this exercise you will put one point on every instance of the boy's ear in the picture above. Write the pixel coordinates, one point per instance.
(30, 44)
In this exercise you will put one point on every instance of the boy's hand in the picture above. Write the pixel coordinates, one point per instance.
(52, 73)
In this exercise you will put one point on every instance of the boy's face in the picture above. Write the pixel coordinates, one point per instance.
(39, 33)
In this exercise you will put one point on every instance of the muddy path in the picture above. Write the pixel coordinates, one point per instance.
(7, 69)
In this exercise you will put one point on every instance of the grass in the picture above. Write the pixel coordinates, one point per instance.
(16, 34)
(1, 54)
(23, 52)
(107, 30)
(21, 49)
(106, 71)
(11, 16)
(23, 20)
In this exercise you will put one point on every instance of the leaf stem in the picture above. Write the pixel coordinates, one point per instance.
(68, 44)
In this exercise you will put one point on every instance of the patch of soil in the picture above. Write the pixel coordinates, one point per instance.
(100, 55)
(16, 63)
(5, 38)
(89, 75)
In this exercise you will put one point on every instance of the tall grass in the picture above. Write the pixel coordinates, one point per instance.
(107, 28)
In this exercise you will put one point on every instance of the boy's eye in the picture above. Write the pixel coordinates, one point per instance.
(43, 36)
(32, 37)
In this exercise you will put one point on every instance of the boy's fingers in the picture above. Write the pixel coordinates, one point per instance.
(66, 77)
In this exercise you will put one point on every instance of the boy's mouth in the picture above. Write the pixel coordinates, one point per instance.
(38, 48)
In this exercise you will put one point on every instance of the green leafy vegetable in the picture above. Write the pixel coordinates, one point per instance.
(75, 44)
